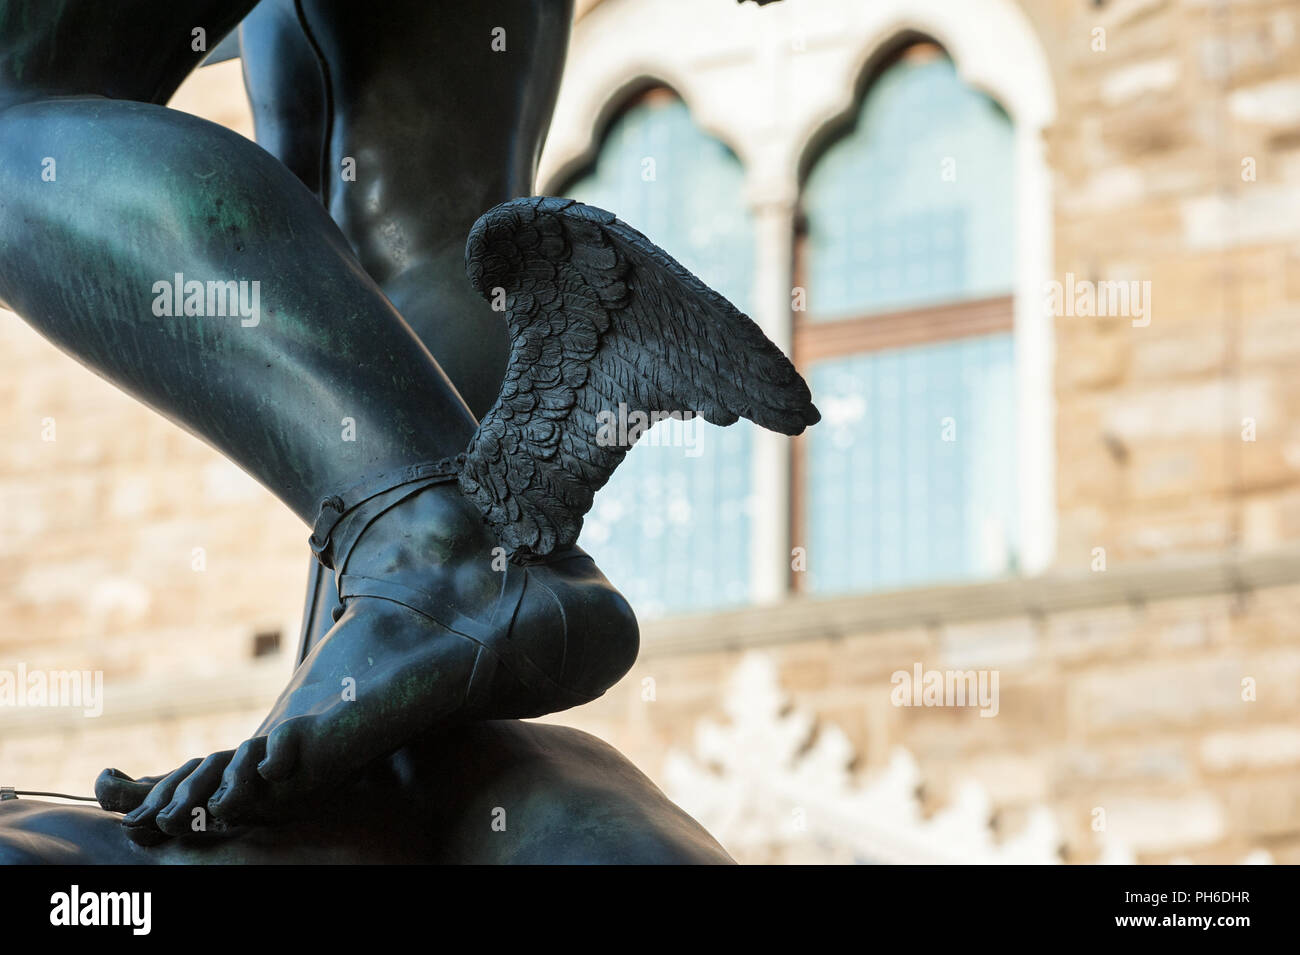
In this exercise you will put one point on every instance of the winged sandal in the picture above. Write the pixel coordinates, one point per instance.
(598, 315)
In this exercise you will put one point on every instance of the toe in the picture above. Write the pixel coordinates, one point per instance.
(140, 823)
(188, 809)
(281, 753)
(118, 792)
(241, 787)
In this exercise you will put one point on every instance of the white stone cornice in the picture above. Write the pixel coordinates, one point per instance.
(767, 81)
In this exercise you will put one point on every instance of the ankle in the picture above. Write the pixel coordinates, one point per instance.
(434, 530)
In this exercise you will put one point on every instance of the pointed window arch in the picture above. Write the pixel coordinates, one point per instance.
(672, 527)
(908, 261)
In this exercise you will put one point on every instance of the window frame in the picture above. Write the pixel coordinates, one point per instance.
(813, 340)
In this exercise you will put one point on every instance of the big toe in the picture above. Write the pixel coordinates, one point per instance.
(118, 792)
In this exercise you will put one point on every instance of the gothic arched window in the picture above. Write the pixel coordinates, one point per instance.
(672, 527)
(906, 340)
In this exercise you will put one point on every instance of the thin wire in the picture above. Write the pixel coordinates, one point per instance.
(33, 792)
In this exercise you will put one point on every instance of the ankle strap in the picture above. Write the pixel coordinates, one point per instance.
(337, 506)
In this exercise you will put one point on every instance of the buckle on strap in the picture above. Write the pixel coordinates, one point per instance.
(336, 506)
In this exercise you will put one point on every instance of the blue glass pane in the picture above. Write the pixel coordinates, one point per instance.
(915, 206)
(912, 472)
(672, 527)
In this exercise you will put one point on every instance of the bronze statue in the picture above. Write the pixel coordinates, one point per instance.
(257, 298)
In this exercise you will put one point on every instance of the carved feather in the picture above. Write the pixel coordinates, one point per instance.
(599, 315)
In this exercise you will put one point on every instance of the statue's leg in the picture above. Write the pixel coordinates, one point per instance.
(429, 113)
(137, 203)
(409, 120)
(149, 213)
(108, 203)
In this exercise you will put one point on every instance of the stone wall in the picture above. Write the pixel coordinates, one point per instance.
(1176, 153)
(1173, 710)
